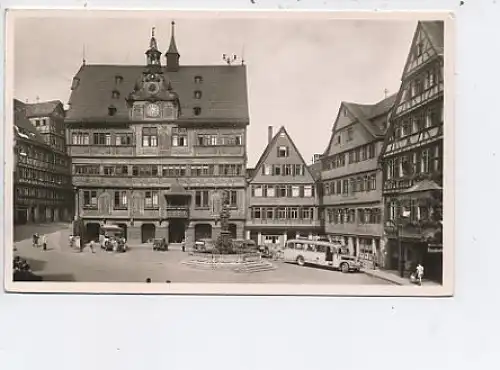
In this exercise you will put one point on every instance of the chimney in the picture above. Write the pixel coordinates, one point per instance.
(269, 134)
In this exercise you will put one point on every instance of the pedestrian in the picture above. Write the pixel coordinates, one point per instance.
(420, 273)
(91, 246)
(78, 243)
(148, 280)
(35, 240)
(44, 242)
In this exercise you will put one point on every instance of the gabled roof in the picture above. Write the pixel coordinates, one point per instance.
(43, 109)
(434, 30)
(223, 88)
(22, 125)
(365, 114)
(271, 145)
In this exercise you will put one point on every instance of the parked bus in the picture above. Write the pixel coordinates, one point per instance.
(319, 253)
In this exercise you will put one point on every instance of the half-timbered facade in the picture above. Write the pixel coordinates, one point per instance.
(42, 173)
(282, 197)
(153, 146)
(351, 180)
(412, 157)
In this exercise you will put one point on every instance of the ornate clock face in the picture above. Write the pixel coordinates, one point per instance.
(153, 110)
(153, 88)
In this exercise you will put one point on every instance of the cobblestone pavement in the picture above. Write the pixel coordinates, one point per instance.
(61, 263)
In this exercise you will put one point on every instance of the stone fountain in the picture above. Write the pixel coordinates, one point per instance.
(225, 255)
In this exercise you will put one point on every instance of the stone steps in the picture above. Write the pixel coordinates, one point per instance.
(236, 267)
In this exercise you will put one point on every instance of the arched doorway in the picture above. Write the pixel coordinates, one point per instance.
(124, 228)
(91, 231)
(232, 229)
(148, 232)
(202, 231)
(176, 230)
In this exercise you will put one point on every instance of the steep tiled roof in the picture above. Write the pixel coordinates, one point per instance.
(22, 125)
(365, 113)
(315, 170)
(43, 109)
(435, 31)
(223, 88)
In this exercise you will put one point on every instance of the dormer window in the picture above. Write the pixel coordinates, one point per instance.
(75, 83)
(115, 94)
(197, 94)
(111, 110)
(197, 111)
(198, 79)
(118, 79)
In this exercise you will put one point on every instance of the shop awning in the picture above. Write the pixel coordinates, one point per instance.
(423, 186)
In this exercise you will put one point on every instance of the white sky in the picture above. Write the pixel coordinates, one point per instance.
(299, 70)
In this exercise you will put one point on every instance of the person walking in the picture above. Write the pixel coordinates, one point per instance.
(420, 273)
(44, 242)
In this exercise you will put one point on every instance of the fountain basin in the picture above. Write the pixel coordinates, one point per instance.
(243, 262)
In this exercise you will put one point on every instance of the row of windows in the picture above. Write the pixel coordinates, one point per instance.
(423, 82)
(282, 213)
(427, 160)
(179, 138)
(202, 199)
(412, 209)
(351, 185)
(282, 191)
(31, 152)
(42, 176)
(115, 94)
(356, 155)
(422, 119)
(283, 170)
(42, 165)
(149, 170)
(353, 215)
(39, 193)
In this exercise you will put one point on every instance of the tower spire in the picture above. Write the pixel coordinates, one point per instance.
(172, 53)
(153, 54)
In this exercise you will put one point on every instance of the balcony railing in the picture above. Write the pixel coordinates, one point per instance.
(176, 212)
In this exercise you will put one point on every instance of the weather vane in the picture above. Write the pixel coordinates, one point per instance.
(229, 59)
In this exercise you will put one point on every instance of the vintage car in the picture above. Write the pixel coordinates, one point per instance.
(204, 245)
(112, 232)
(245, 245)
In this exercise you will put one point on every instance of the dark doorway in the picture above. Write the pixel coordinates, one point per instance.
(148, 232)
(255, 237)
(329, 254)
(233, 230)
(32, 215)
(202, 231)
(176, 230)
(91, 232)
(21, 216)
(291, 235)
(124, 228)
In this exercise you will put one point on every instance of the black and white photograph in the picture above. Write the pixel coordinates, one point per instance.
(267, 153)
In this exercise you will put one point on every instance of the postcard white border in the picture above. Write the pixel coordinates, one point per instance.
(446, 289)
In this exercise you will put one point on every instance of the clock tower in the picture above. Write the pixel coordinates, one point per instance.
(153, 97)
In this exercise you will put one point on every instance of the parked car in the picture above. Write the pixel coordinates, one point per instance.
(204, 245)
(245, 245)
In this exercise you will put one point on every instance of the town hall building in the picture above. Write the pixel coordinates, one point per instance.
(153, 146)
